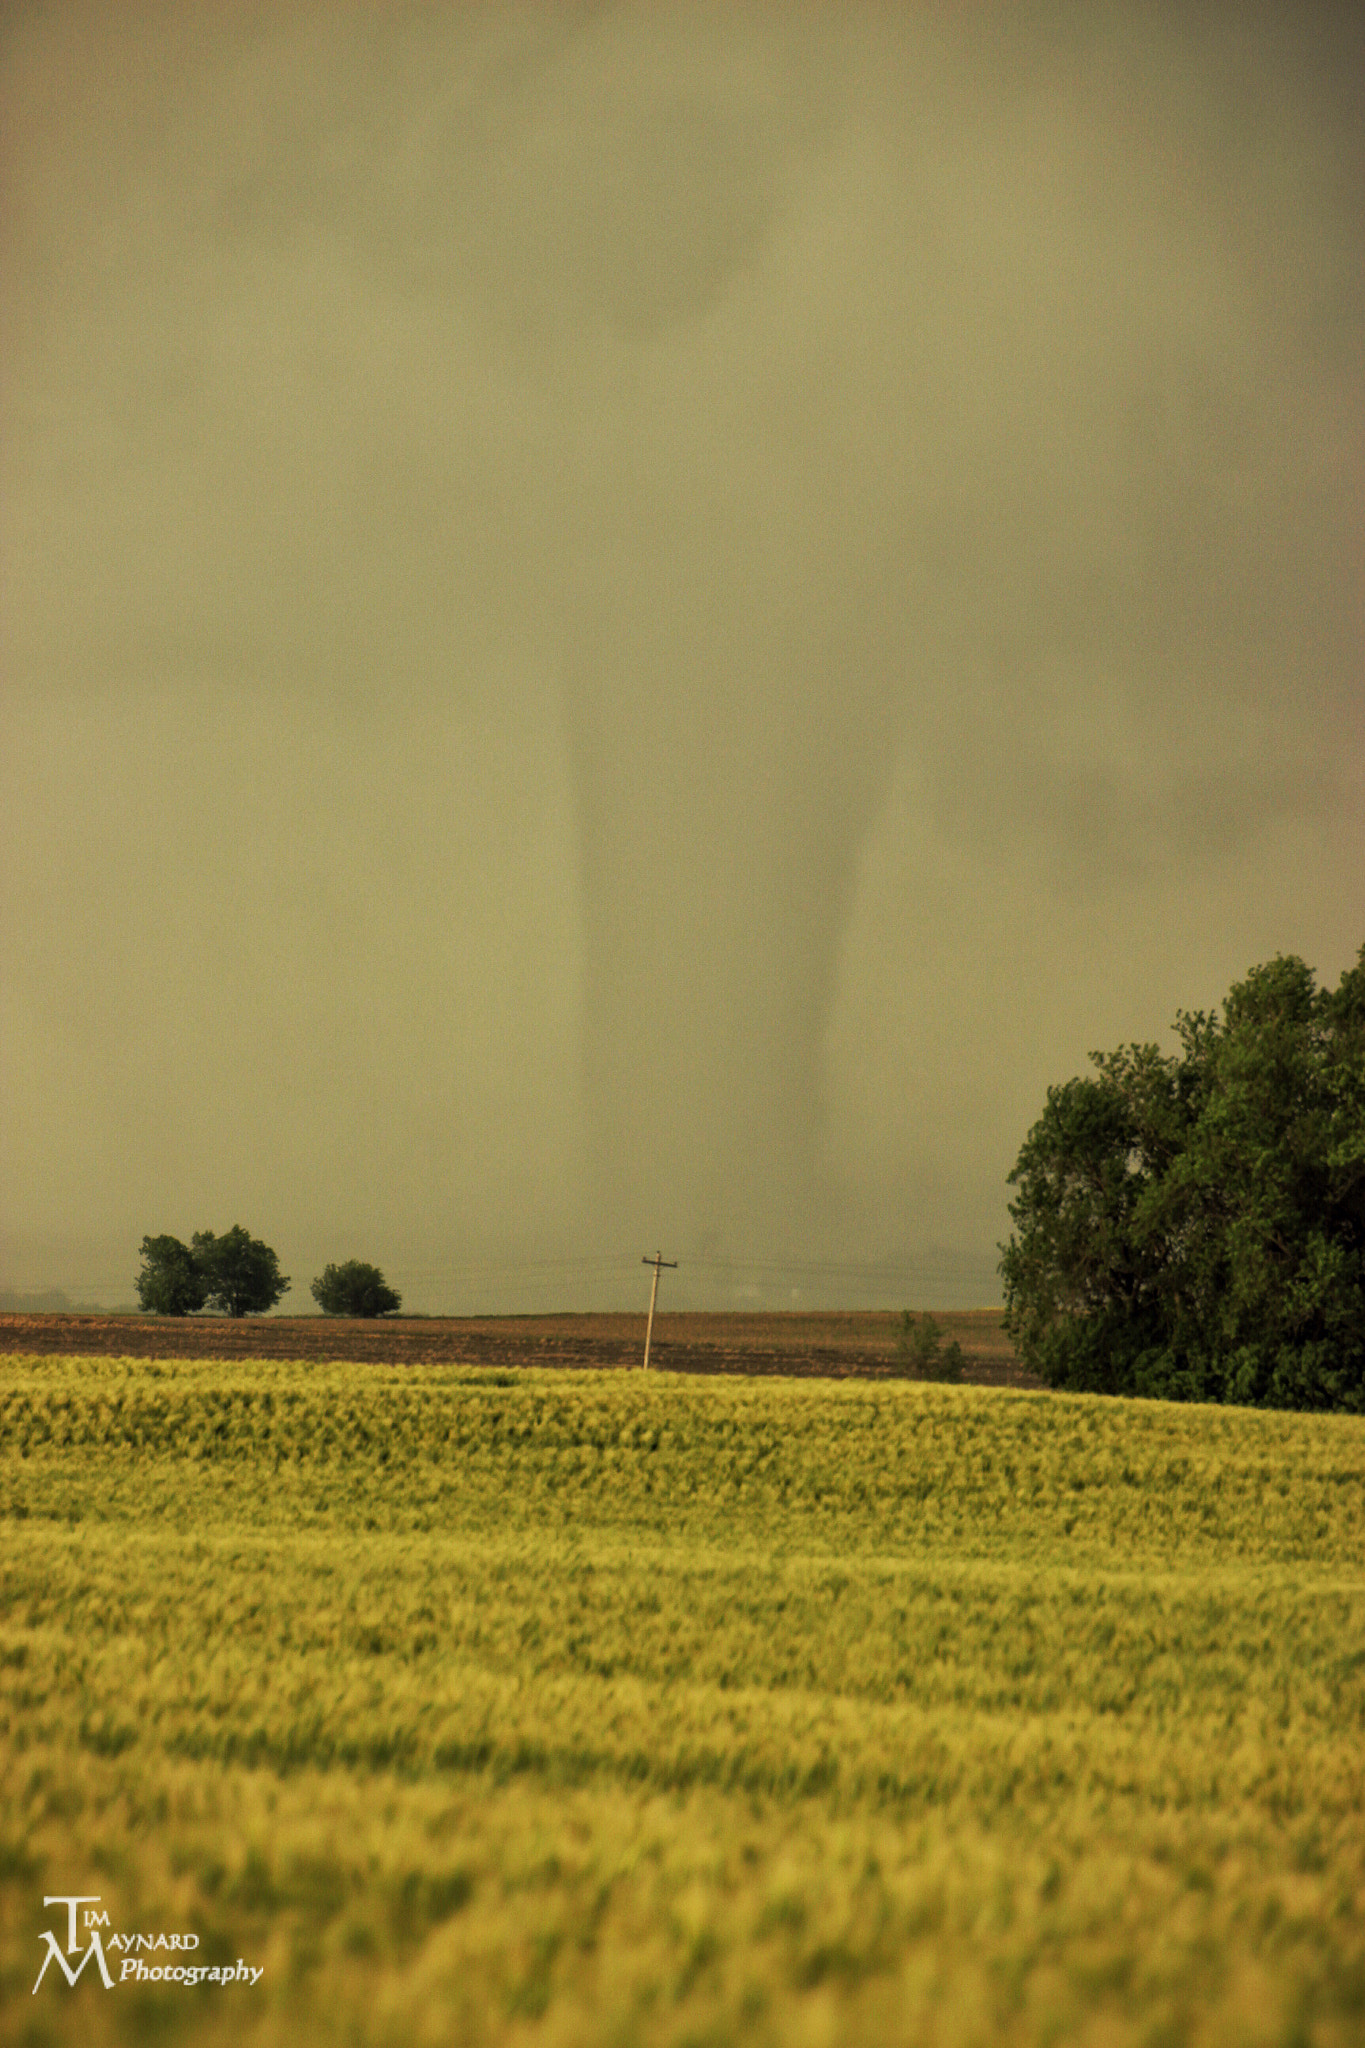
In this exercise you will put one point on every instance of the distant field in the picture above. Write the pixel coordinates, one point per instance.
(501, 1706)
(826, 1344)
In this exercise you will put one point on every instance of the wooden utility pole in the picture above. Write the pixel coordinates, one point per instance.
(656, 1262)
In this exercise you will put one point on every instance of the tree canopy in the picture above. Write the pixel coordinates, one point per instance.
(236, 1274)
(170, 1283)
(354, 1289)
(242, 1274)
(1192, 1226)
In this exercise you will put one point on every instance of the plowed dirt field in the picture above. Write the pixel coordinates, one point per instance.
(831, 1346)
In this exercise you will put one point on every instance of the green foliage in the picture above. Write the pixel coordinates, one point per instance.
(920, 1354)
(241, 1274)
(481, 1704)
(170, 1282)
(354, 1289)
(235, 1273)
(1193, 1226)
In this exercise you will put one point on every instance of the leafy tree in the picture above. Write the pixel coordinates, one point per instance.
(170, 1283)
(920, 1352)
(241, 1275)
(354, 1289)
(1193, 1226)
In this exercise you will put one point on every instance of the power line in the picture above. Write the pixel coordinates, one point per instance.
(850, 1269)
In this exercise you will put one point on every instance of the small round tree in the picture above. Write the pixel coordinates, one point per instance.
(170, 1283)
(354, 1289)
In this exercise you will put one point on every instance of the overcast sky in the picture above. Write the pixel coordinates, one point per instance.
(631, 625)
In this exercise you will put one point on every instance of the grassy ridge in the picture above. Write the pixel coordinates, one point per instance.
(503, 1706)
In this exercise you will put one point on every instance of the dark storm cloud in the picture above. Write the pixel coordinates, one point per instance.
(692, 597)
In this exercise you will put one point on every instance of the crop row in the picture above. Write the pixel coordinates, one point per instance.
(377, 1445)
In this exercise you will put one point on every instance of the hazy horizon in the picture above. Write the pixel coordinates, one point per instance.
(630, 626)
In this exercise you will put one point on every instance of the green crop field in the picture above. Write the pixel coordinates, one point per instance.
(537, 1707)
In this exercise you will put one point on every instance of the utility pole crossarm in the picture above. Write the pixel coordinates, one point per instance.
(656, 1262)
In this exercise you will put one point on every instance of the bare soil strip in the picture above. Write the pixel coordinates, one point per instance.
(800, 1344)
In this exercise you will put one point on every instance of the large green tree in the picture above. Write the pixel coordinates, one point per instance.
(170, 1283)
(1193, 1225)
(241, 1274)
